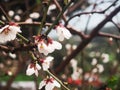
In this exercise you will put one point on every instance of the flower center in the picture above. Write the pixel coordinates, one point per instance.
(6, 31)
(33, 66)
(41, 46)
(49, 80)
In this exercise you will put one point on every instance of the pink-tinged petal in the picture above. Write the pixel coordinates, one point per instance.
(49, 58)
(61, 37)
(45, 66)
(46, 63)
(59, 30)
(30, 71)
(66, 33)
(15, 28)
(6, 26)
(56, 84)
(38, 66)
(36, 73)
(57, 45)
(42, 48)
(8, 33)
(42, 84)
(49, 86)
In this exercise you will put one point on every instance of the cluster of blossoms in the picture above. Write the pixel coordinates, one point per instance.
(9, 32)
(45, 46)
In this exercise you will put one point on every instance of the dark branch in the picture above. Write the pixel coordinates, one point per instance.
(84, 43)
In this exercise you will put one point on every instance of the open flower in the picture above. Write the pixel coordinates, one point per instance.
(33, 68)
(63, 32)
(46, 45)
(8, 32)
(49, 84)
(46, 62)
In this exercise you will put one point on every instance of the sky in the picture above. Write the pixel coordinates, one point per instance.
(79, 23)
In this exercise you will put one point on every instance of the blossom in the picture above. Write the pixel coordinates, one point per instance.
(46, 45)
(8, 32)
(62, 32)
(105, 57)
(33, 68)
(46, 62)
(49, 84)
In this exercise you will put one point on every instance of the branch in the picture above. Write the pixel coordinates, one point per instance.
(75, 6)
(33, 23)
(116, 25)
(60, 9)
(100, 12)
(108, 35)
(81, 34)
(58, 18)
(15, 49)
(85, 42)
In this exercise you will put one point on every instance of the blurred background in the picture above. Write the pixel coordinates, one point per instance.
(96, 67)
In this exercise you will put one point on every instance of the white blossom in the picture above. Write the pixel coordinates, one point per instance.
(47, 46)
(33, 68)
(8, 33)
(46, 62)
(35, 15)
(94, 61)
(105, 57)
(17, 18)
(63, 32)
(100, 68)
(11, 13)
(49, 84)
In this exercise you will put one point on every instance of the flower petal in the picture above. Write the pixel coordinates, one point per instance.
(57, 45)
(56, 84)
(30, 71)
(42, 84)
(50, 86)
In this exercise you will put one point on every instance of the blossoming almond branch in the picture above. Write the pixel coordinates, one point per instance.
(45, 45)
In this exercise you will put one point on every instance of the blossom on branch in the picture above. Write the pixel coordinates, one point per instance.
(63, 32)
(46, 62)
(33, 68)
(46, 45)
(9, 32)
(49, 84)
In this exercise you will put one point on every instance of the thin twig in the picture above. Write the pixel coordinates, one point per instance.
(58, 18)
(108, 35)
(5, 14)
(98, 12)
(60, 9)
(44, 17)
(85, 42)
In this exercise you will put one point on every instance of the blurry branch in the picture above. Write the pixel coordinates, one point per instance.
(75, 32)
(58, 18)
(116, 25)
(108, 35)
(75, 6)
(51, 74)
(60, 9)
(98, 12)
(44, 17)
(15, 49)
(4, 13)
(85, 42)
(88, 20)
(33, 23)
